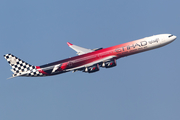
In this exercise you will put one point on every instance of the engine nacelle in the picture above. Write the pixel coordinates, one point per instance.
(92, 69)
(109, 64)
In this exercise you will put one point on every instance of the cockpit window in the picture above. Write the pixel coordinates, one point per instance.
(170, 35)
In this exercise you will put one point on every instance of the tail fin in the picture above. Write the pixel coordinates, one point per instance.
(19, 67)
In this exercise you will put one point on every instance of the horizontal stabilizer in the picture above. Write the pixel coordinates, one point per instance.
(17, 75)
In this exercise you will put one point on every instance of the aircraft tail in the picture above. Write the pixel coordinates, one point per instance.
(19, 67)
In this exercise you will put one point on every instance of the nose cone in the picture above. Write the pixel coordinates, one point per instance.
(174, 37)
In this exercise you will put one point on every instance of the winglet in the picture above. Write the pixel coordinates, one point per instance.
(69, 44)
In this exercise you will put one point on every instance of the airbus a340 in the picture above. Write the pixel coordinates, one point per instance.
(88, 60)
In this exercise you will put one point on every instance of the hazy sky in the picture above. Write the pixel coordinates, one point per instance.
(144, 86)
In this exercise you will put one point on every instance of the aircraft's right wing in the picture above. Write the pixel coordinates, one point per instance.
(79, 50)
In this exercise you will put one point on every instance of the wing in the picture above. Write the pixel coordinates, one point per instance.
(79, 50)
(92, 63)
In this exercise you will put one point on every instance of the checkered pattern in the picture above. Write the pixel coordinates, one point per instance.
(20, 67)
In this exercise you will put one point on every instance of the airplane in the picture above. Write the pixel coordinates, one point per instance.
(88, 60)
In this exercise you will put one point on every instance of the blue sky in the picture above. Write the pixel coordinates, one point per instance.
(144, 86)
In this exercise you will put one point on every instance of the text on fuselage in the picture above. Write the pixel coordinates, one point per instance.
(129, 47)
(154, 41)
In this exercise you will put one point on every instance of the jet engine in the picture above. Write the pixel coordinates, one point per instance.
(109, 64)
(92, 69)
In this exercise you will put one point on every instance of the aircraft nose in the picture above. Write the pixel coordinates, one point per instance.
(172, 37)
(175, 37)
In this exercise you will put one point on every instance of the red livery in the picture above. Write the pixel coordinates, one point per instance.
(88, 60)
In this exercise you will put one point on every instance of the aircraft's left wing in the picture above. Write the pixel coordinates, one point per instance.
(92, 63)
(79, 50)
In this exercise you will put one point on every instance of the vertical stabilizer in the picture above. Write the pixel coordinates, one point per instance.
(21, 68)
